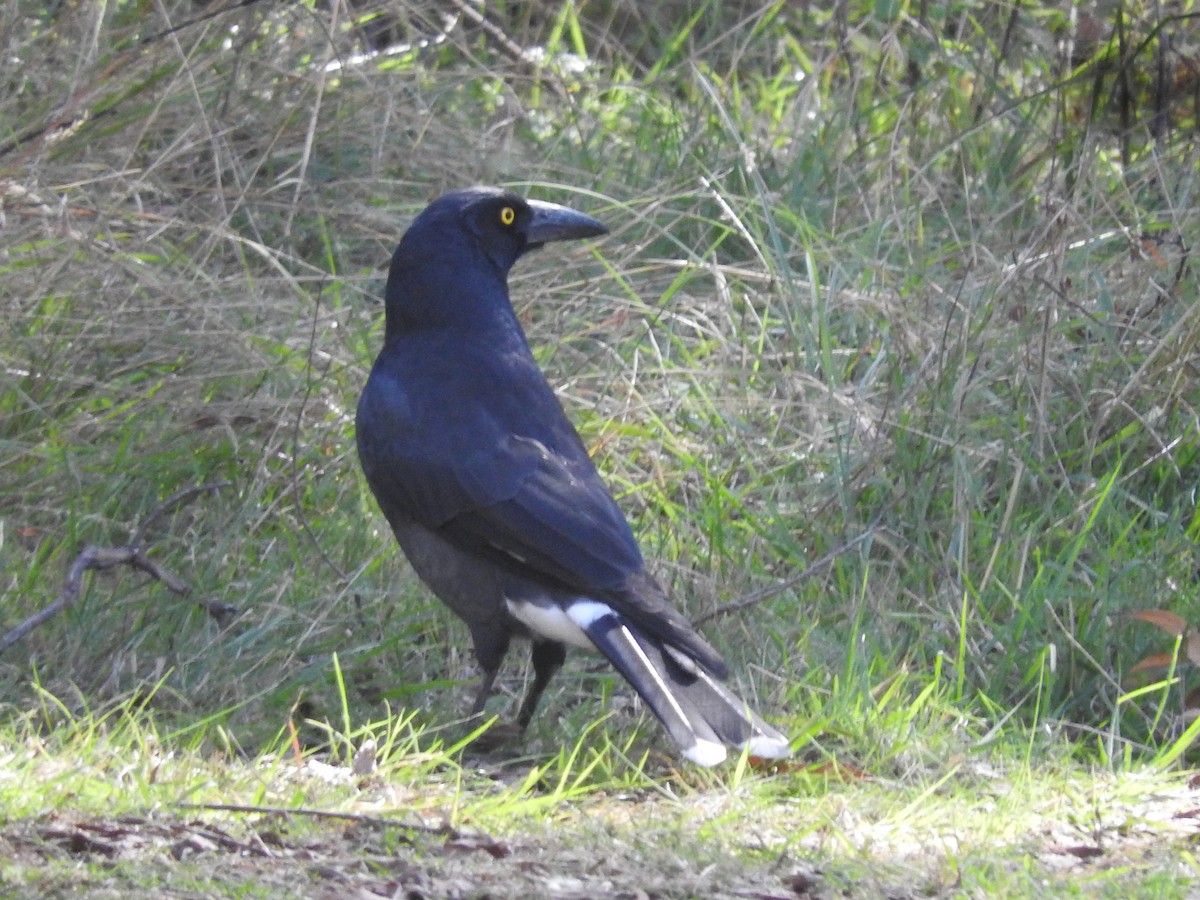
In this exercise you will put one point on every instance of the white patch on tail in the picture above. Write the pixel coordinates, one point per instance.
(557, 624)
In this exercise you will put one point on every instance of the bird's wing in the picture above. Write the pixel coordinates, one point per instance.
(548, 512)
(534, 503)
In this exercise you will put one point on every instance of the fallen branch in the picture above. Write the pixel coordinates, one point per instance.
(93, 558)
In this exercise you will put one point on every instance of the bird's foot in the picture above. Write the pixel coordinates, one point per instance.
(499, 736)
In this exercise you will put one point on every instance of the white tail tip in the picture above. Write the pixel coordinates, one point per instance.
(705, 753)
(767, 747)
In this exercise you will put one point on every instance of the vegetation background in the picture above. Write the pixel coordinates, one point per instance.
(892, 358)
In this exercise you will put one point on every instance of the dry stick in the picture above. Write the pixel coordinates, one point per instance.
(509, 47)
(771, 590)
(447, 830)
(101, 558)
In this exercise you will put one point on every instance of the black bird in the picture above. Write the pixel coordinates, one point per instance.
(491, 493)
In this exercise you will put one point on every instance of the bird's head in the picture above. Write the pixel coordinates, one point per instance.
(465, 239)
(500, 224)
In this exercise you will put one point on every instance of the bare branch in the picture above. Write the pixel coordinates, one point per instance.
(93, 558)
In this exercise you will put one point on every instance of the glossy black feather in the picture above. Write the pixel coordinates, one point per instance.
(481, 451)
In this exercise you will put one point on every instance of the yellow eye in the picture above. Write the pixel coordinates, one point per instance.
(508, 215)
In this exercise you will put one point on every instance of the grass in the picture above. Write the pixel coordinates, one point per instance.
(902, 295)
(125, 805)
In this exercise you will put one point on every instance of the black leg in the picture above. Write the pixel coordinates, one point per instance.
(501, 733)
(548, 657)
(484, 691)
(490, 647)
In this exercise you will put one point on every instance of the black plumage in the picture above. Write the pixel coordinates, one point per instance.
(491, 493)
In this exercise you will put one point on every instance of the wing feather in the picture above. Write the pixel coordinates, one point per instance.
(500, 473)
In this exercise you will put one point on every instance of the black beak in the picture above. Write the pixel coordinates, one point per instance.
(552, 222)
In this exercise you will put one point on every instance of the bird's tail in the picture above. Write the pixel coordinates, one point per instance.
(699, 712)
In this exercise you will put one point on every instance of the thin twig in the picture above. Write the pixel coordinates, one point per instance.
(173, 501)
(308, 390)
(447, 830)
(771, 590)
(68, 116)
(509, 47)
